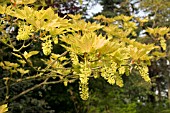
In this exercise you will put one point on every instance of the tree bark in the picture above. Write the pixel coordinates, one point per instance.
(169, 90)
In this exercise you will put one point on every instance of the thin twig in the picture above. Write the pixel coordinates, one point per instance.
(24, 92)
(18, 52)
(22, 47)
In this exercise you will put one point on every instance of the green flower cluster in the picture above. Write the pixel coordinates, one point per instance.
(24, 32)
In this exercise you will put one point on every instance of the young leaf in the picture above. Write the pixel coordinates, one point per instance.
(31, 53)
(163, 43)
(23, 1)
(3, 108)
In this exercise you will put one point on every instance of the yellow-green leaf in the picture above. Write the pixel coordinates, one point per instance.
(31, 53)
(22, 71)
(163, 43)
(23, 1)
(3, 108)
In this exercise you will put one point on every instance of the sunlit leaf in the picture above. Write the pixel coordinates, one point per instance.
(3, 108)
(29, 54)
(23, 1)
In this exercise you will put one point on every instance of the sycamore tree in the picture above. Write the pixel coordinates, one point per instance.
(158, 13)
(53, 49)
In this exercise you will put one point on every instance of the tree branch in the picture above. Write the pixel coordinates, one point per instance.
(24, 92)
(18, 52)
(37, 86)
